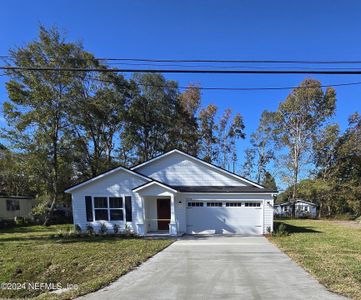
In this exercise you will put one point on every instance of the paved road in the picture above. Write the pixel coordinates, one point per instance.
(217, 268)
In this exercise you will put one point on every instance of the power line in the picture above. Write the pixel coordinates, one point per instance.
(243, 88)
(250, 61)
(222, 88)
(186, 71)
(229, 67)
(235, 61)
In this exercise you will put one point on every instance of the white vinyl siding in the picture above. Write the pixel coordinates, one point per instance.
(118, 184)
(268, 216)
(176, 169)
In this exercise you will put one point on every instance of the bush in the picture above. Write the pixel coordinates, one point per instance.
(77, 228)
(280, 230)
(103, 228)
(20, 221)
(90, 230)
(128, 231)
(116, 228)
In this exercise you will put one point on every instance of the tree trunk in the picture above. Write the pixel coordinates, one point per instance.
(320, 210)
(55, 172)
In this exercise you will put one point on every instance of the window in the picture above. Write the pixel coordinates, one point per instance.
(116, 208)
(108, 209)
(233, 204)
(214, 204)
(195, 204)
(252, 204)
(285, 208)
(12, 204)
(305, 208)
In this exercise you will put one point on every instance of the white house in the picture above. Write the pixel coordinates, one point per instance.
(303, 209)
(174, 193)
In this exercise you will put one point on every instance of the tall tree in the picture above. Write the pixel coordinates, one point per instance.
(97, 116)
(298, 119)
(262, 148)
(235, 133)
(38, 103)
(208, 129)
(322, 186)
(185, 134)
(269, 181)
(223, 138)
(151, 114)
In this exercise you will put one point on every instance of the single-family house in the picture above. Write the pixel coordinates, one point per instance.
(302, 209)
(174, 193)
(16, 206)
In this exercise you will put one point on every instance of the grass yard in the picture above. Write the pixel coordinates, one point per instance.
(328, 250)
(31, 254)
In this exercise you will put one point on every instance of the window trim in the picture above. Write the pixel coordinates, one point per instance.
(108, 208)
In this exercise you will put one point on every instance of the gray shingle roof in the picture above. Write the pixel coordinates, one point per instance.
(222, 189)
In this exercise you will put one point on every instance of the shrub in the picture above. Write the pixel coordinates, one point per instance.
(77, 228)
(116, 228)
(20, 221)
(280, 230)
(103, 228)
(90, 230)
(128, 231)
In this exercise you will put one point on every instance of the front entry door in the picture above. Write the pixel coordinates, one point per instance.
(163, 208)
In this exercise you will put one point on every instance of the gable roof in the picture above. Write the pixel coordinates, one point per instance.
(220, 169)
(106, 173)
(147, 184)
(259, 188)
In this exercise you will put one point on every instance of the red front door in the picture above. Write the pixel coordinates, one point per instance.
(163, 208)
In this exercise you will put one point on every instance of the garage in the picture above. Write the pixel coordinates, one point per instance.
(224, 217)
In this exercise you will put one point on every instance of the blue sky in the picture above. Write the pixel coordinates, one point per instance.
(314, 30)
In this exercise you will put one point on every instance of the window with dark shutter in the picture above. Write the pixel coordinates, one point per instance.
(128, 209)
(89, 209)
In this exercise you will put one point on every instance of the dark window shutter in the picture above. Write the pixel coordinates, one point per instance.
(89, 208)
(128, 209)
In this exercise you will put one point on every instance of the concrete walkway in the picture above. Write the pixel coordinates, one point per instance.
(217, 268)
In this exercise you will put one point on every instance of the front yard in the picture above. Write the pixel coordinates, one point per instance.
(329, 250)
(31, 255)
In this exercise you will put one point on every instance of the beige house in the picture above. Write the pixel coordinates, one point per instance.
(16, 206)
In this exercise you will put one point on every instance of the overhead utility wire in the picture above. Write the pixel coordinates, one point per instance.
(123, 70)
(239, 88)
(250, 61)
(235, 61)
(242, 88)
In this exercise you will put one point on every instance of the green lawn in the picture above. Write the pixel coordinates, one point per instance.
(331, 252)
(31, 254)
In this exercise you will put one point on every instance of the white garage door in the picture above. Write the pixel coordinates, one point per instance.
(222, 217)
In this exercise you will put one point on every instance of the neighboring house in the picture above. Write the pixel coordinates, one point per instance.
(174, 193)
(303, 209)
(16, 206)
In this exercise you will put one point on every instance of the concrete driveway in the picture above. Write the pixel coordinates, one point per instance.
(217, 268)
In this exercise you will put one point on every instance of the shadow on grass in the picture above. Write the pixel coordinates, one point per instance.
(34, 229)
(295, 229)
(68, 240)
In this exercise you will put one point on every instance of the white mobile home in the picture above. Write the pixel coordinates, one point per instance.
(302, 209)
